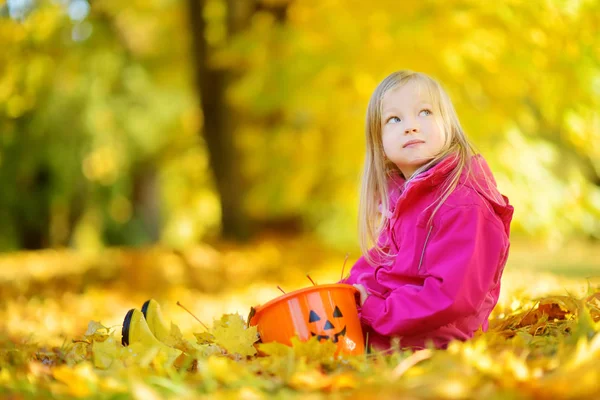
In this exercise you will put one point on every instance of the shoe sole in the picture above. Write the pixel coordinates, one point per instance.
(145, 308)
(127, 322)
(125, 330)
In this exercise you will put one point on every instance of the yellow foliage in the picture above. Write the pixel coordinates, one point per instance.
(96, 331)
(106, 353)
(536, 348)
(80, 380)
(232, 334)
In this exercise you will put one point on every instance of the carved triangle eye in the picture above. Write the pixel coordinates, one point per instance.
(313, 317)
(337, 313)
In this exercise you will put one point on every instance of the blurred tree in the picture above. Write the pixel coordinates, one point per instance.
(99, 119)
(85, 121)
(221, 121)
(529, 104)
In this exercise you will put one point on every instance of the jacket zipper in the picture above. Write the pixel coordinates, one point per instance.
(424, 246)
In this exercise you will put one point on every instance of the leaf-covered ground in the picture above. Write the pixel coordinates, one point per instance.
(61, 316)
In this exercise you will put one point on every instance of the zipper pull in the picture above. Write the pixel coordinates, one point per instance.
(424, 246)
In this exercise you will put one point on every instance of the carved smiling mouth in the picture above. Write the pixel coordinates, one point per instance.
(335, 337)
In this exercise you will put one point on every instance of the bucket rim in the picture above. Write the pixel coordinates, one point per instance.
(258, 309)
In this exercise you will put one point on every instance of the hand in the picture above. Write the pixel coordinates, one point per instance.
(363, 293)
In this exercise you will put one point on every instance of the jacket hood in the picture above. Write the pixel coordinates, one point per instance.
(478, 177)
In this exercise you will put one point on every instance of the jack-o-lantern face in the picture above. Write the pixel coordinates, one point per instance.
(327, 330)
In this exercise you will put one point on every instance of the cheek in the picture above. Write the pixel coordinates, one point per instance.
(389, 141)
(437, 138)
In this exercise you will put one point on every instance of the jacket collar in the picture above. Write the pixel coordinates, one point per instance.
(432, 177)
(478, 177)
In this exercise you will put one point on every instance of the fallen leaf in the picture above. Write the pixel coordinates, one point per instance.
(232, 334)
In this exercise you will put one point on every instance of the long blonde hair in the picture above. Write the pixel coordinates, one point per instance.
(377, 168)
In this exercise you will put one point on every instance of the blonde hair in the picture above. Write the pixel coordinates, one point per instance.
(377, 168)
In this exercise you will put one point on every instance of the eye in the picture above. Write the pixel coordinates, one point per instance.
(393, 118)
(313, 317)
(426, 111)
(337, 313)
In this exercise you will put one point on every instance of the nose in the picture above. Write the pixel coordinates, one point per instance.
(411, 125)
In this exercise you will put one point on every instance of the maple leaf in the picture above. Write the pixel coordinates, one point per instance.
(232, 334)
(195, 351)
(176, 339)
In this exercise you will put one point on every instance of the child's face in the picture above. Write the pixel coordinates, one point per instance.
(411, 137)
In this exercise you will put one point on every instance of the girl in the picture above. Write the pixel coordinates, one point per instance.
(441, 226)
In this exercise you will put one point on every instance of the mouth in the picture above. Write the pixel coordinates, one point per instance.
(412, 143)
(334, 338)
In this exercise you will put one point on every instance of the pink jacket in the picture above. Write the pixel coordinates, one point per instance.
(444, 278)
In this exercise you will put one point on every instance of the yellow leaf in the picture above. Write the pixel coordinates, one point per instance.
(175, 339)
(225, 370)
(105, 353)
(204, 348)
(96, 332)
(275, 349)
(314, 350)
(80, 379)
(344, 381)
(311, 379)
(78, 352)
(134, 354)
(232, 334)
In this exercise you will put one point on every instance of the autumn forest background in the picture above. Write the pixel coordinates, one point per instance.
(206, 151)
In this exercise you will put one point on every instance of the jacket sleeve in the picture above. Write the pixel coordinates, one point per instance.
(463, 259)
(362, 267)
(359, 268)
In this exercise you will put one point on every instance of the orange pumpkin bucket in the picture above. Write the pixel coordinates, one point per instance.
(326, 311)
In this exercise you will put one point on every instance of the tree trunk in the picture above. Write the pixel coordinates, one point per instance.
(34, 218)
(219, 120)
(145, 199)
